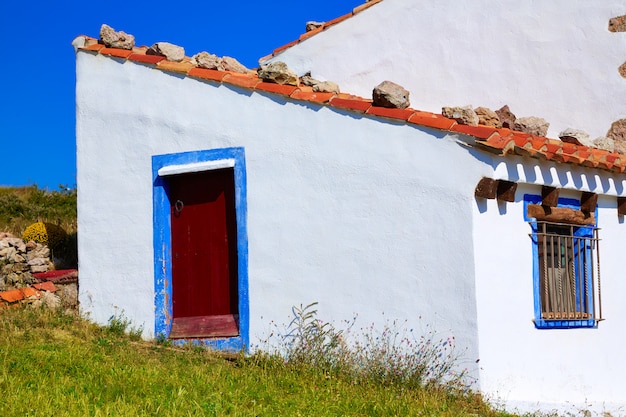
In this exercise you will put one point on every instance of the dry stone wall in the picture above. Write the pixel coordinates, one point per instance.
(20, 260)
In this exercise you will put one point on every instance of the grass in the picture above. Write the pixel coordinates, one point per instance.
(23, 206)
(55, 363)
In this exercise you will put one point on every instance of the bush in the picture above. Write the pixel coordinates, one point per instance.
(45, 233)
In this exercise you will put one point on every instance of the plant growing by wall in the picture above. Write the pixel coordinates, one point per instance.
(393, 355)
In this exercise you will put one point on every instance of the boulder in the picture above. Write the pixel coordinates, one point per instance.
(507, 118)
(532, 125)
(390, 95)
(279, 73)
(487, 117)
(231, 64)
(207, 60)
(617, 132)
(310, 25)
(604, 143)
(577, 137)
(463, 115)
(170, 51)
(112, 39)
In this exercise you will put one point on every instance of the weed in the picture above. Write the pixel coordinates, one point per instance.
(391, 356)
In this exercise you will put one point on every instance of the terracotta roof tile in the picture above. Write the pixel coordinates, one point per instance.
(305, 35)
(146, 59)
(333, 22)
(30, 292)
(242, 80)
(207, 74)
(402, 114)
(118, 53)
(12, 296)
(307, 94)
(285, 90)
(177, 67)
(45, 286)
(351, 104)
(500, 141)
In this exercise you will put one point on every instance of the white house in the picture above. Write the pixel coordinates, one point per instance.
(211, 202)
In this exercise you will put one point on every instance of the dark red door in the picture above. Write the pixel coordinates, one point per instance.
(204, 254)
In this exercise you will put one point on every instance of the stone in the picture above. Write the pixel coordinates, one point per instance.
(617, 24)
(39, 252)
(8, 253)
(617, 132)
(575, 136)
(310, 25)
(69, 296)
(48, 300)
(279, 73)
(532, 125)
(487, 117)
(4, 235)
(319, 86)
(17, 258)
(309, 81)
(113, 39)
(604, 143)
(507, 118)
(170, 51)
(39, 268)
(208, 61)
(37, 262)
(231, 64)
(463, 115)
(390, 95)
(30, 245)
(326, 87)
(622, 70)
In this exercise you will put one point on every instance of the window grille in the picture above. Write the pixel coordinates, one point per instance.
(569, 272)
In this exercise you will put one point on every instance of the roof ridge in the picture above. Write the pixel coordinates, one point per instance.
(501, 141)
(321, 28)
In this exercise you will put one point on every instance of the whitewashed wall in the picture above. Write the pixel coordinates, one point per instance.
(361, 215)
(553, 59)
(569, 370)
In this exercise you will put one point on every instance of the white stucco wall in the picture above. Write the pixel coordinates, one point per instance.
(361, 215)
(525, 368)
(553, 59)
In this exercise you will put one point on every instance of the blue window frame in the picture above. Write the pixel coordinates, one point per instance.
(565, 264)
(205, 159)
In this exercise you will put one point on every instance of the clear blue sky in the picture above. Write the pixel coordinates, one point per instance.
(37, 117)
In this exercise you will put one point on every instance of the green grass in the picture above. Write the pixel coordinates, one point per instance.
(54, 363)
(22, 206)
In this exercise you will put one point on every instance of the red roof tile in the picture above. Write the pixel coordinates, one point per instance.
(45, 286)
(326, 25)
(12, 296)
(501, 141)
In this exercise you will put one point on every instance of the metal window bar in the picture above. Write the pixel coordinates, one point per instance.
(569, 272)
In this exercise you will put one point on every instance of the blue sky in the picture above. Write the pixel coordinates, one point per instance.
(37, 139)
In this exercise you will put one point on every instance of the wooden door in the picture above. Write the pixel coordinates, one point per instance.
(204, 254)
